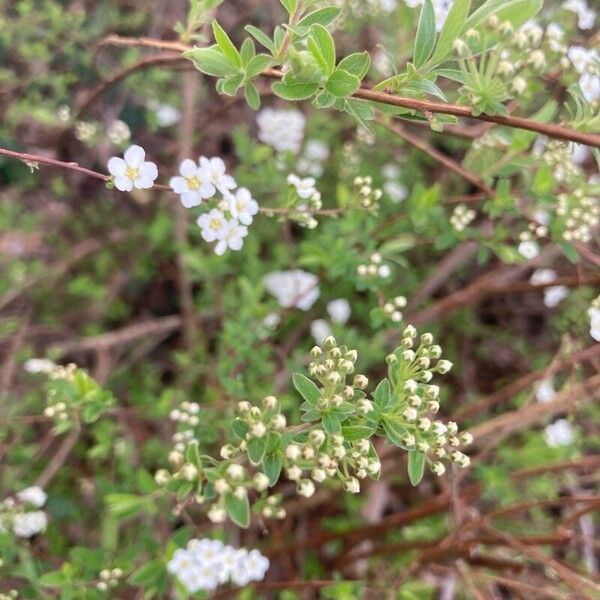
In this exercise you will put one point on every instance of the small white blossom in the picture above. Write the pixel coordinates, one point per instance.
(193, 184)
(33, 495)
(544, 391)
(28, 524)
(133, 171)
(215, 170)
(213, 225)
(305, 187)
(559, 433)
(281, 129)
(39, 365)
(242, 206)
(320, 330)
(293, 289)
(339, 310)
(529, 249)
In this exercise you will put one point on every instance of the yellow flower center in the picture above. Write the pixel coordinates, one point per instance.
(194, 183)
(215, 224)
(240, 204)
(132, 173)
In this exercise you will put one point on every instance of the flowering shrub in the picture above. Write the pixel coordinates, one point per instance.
(326, 172)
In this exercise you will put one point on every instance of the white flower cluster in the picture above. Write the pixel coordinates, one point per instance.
(581, 213)
(118, 132)
(311, 161)
(461, 217)
(586, 63)
(205, 564)
(166, 115)
(16, 513)
(395, 190)
(293, 289)
(368, 197)
(85, 131)
(594, 314)
(586, 16)
(283, 129)
(339, 311)
(376, 268)
(559, 433)
(553, 295)
(440, 7)
(392, 308)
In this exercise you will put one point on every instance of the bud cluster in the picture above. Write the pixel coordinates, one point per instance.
(462, 217)
(581, 215)
(375, 269)
(109, 578)
(415, 401)
(389, 311)
(367, 196)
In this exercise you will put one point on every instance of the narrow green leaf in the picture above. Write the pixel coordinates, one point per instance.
(425, 39)
(289, 5)
(258, 64)
(451, 30)
(322, 47)
(294, 90)
(341, 83)
(416, 466)
(252, 96)
(382, 396)
(358, 64)
(357, 432)
(230, 85)
(307, 389)
(322, 16)
(395, 431)
(238, 509)
(331, 424)
(260, 37)
(515, 11)
(225, 44)
(211, 61)
(247, 52)
(272, 467)
(256, 449)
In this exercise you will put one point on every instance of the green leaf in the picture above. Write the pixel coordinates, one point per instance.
(149, 574)
(230, 85)
(322, 47)
(258, 64)
(307, 389)
(322, 16)
(382, 396)
(515, 11)
(289, 5)
(252, 96)
(238, 509)
(341, 83)
(358, 64)
(124, 505)
(425, 39)
(395, 431)
(211, 61)
(272, 467)
(226, 45)
(452, 27)
(247, 53)
(331, 424)
(239, 427)
(53, 579)
(357, 432)
(256, 449)
(416, 466)
(261, 37)
(294, 90)
(324, 100)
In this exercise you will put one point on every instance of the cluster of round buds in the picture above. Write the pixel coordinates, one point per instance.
(272, 508)
(368, 197)
(390, 310)
(376, 268)
(304, 212)
(535, 231)
(411, 370)
(58, 406)
(462, 217)
(109, 578)
(364, 136)
(559, 156)
(581, 215)
(11, 595)
(187, 413)
(259, 421)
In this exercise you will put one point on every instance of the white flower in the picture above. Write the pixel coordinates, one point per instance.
(167, 115)
(216, 171)
(305, 188)
(529, 249)
(213, 225)
(554, 295)
(281, 129)
(233, 237)
(579, 153)
(581, 57)
(590, 86)
(118, 132)
(586, 17)
(193, 184)
(594, 314)
(339, 310)
(559, 433)
(39, 365)
(133, 171)
(544, 391)
(320, 330)
(33, 495)
(257, 565)
(306, 488)
(352, 485)
(315, 154)
(242, 206)
(395, 191)
(28, 524)
(293, 289)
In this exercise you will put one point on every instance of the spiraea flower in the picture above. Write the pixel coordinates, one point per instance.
(283, 129)
(559, 433)
(232, 238)
(305, 188)
(293, 289)
(215, 170)
(33, 495)
(213, 225)
(193, 184)
(133, 170)
(242, 206)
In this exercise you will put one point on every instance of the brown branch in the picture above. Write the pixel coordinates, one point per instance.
(424, 106)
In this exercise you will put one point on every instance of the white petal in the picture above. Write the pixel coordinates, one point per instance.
(221, 247)
(123, 183)
(207, 190)
(188, 168)
(189, 199)
(134, 156)
(143, 183)
(236, 244)
(117, 166)
(178, 185)
(149, 169)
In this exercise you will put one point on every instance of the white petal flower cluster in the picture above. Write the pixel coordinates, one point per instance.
(314, 155)
(293, 289)
(395, 190)
(305, 187)
(133, 170)
(529, 249)
(39, 365)
(544, 391)
(205, 564)
(118, 132)
(339, 312)
(553, 295)
(17, 514)
(283, 129)
(559, 433)
(586, 63)
(586, 16)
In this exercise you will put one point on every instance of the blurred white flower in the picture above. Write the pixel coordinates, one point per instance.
(33, 495)
(320, 330)
(167, 115)
(304, 187)
(339, 310)
(590, 87)
(553, 295)
(293, 289)
(395, 191)
(283, 129)
(133, 171)
(28, 524)
(118, 132)
(559, 433)
(544, 391)
(39, 365)
(529, 249)
(215, 170)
